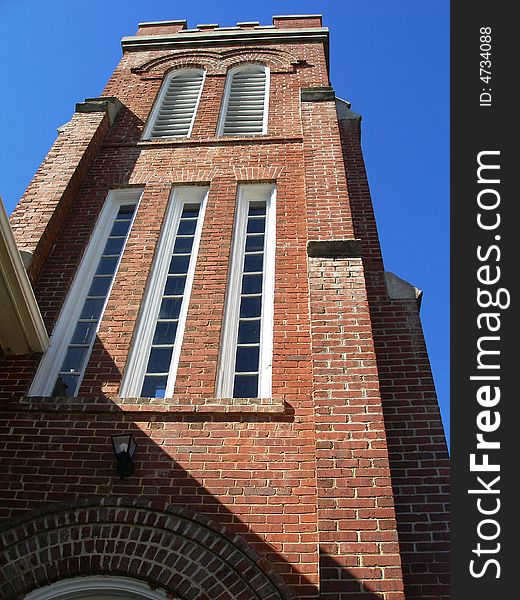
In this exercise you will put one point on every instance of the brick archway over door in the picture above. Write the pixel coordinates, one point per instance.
(188, 555)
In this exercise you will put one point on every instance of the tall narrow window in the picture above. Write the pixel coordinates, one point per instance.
(245, 103)
(63, 366)
(176, 106)
(153, 361)
(246, 353)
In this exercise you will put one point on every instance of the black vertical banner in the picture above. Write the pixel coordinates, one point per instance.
(485, 330)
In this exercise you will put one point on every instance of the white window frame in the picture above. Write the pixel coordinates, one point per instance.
(227, 91)
(137, 361)
(147, 133)
(45, 378)
(225, 379)
(100, 586)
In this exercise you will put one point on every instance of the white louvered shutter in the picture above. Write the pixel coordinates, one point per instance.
(245, 109)
(178, 105)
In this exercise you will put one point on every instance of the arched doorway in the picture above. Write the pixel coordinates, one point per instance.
(154, 549)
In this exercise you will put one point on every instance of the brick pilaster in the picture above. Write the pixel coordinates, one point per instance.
(38, 217)
(356, 520)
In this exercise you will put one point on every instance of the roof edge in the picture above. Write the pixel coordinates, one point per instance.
(19, 295)
(188, 37)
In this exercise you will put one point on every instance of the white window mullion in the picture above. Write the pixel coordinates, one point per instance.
(245, 368)
(153, 360)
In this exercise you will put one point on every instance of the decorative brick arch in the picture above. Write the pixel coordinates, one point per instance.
(216, 63)
(279, 61)
(168, 547)
(163, 64)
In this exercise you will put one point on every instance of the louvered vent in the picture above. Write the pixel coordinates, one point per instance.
(178, 105)
(246, 103)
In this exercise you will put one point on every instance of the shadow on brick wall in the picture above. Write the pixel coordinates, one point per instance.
(161, 525)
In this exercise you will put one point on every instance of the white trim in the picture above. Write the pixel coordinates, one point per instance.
(99, 588)
(137, 361)
(21, 295)
(267, 323)
(45, 379)
(266, 99)
(248, 193)
(223, 112)
(159, 101)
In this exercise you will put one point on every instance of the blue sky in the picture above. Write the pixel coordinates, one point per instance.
(389, 58)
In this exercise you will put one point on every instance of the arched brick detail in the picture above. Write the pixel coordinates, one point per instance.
(257, 173)
(163, 64)
(216, 63)
(177, 176)
(168, 547)
(276, 60)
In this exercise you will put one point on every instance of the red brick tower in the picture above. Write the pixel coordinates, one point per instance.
(203, 253)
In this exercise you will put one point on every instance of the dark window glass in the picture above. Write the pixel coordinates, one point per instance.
(251, 306)
(174, 286)
(254, 243)
(249, 332)
(92, 309)
(256, 226)
(183, 245)
(154, 387)
(73, 362)
(187, 227)
(179, 264)
(126, 211)
(257, 209)
(120, 228)
(170, 308)
(246, 386)
(159, 361)
(190, 212)
(253, 262)
(100, 286)
(65, 385)
(165, 332)
(107, 266)
(247, 359)
(83, 333)
(252, 284)
(114, 246)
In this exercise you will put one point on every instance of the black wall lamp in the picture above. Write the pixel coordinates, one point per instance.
(124, 446)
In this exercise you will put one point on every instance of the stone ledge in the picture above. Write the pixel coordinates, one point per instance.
(181, 405)
(334, 248)
(215, 37)
(108, 104)
(399, 289)
(317, 94)
(213, 141)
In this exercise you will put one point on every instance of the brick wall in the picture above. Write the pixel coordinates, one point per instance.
(281, 477)
(418, 454)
